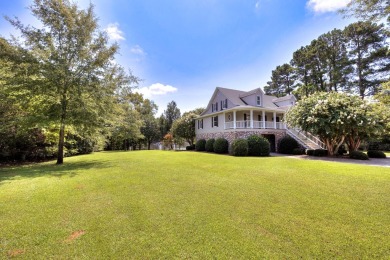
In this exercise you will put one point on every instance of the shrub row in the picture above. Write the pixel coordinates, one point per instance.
(254, 146)
(240, 147)
(200, 145)
(210, 145)
(358, 155)
(376, 154)
(258, 146)
(220, 145)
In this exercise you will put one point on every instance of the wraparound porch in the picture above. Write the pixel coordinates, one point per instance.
(253, 119)
(254, 125)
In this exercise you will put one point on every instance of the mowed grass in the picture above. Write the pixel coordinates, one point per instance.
(161, 204)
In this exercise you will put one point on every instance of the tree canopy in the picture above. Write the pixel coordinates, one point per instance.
(184, 127)
(72, 81)
(337, 118)
(353, 60)
(368, 9)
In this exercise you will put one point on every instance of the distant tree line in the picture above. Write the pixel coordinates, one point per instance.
(353, 60)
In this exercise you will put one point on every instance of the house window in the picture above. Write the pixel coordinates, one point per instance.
(216, 106)
(221, 105)
(258, 101)
(212, 107)
(259, 118)
(214, 121)
(200, 124)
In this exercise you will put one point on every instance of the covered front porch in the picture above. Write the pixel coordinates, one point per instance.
(253, 119)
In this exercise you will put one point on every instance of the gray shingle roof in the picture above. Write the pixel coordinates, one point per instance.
(233, 95)
(283, 98)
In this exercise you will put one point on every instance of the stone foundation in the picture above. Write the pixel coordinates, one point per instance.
(232, 135)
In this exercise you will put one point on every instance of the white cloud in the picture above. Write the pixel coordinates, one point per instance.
(156, 89)
(137, 50)
(323, 6)
(114, 33)
(257, 5)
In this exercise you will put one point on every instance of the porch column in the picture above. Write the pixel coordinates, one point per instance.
(251, 118)
(234, 119)
(263, 118)
(224, 119)
(274, 120)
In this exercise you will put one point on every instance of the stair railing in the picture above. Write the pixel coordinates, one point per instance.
(315, 140)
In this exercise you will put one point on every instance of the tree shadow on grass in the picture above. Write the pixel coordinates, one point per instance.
(69, 169)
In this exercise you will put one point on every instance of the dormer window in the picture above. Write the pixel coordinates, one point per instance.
(258, 100)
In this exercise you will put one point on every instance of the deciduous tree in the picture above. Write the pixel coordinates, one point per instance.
(337, 118)
(75, 65)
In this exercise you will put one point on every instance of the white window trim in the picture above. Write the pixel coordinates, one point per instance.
(258, 100)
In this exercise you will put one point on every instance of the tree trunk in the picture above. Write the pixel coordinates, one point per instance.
(60, 155)
(353, 144)
(149, 142)
(329, 146)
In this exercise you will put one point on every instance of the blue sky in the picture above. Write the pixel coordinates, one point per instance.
(183, 49)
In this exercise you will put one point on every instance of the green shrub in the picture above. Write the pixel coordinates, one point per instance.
(240, 147)
(221, 145)
(376, 154)
(210, 145)
(298, 151)
(190, 147)
(258, 146)
(200, 145)
(320, 152)
(358, 155)
(310, 152)
(287, 145)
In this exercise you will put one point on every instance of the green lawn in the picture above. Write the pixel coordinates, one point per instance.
(160, 204)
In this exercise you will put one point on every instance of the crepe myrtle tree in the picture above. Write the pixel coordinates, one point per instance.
(338, 118)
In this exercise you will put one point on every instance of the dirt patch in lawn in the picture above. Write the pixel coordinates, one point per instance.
(74, 235)
(15, 252)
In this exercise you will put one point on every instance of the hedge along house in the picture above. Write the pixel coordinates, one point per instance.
(233, 114)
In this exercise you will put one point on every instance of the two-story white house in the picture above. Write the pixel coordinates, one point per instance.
(233, 114)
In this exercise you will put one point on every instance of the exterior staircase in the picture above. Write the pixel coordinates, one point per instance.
(307, 140)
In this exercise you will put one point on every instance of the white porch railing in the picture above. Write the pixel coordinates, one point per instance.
(256, 125)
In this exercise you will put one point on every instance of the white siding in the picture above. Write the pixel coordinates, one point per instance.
(252, 99)
(207, 128)
(218, 97)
